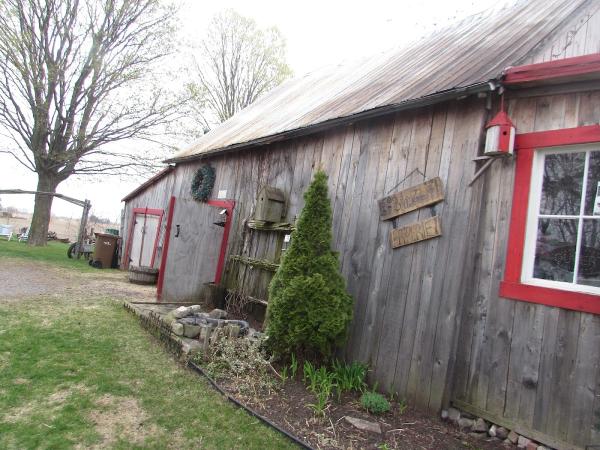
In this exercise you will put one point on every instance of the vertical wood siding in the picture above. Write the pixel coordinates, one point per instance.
(406, 299)
(531, 364)
(427, 316)
(579, 37)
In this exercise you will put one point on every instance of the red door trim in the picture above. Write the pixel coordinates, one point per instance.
(165, 252)
(228, 205)
(511, 287)
(145, 211)
(156, 241)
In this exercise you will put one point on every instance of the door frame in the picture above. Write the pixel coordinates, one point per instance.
(228, 205)
(146, 212)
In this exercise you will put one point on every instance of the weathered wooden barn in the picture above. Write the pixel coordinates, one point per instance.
(500, 315)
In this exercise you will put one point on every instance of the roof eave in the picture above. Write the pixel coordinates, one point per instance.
(149, 182)
(578, 68)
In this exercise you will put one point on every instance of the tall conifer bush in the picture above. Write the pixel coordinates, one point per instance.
(309, 309)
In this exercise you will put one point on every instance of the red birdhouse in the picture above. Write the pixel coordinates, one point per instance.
(500, 136)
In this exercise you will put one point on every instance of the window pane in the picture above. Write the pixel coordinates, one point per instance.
(589, 259)
(592, 197)
(555, 249)
(563, 179)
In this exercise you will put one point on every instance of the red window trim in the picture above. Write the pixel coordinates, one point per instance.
(525, 145)
(149, 212)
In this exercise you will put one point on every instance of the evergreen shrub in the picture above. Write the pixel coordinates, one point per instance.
(309, 309)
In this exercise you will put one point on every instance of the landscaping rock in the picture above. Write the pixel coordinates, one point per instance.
(492, 431)
(480, 426)
(522, 442)
(169, 318)
(453, 415)
(531, 445)
(191, 331)
(364, 425)
(513, 437)
(177, 328)
(253, 334)
(501, 433)
(196, 308)
(232, 330)
(477, 435)
(204, 330)
(181, 312)
(444, 414)
(217, 314)
(190, 348)
(542, 447)
(463, 422)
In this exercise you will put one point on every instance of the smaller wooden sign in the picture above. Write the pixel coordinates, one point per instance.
(428, 193)
(420, 231)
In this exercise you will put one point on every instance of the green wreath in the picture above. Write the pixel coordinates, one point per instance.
(203, 182)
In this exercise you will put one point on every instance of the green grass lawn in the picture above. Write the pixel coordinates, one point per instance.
(54, 253)
(79, 372)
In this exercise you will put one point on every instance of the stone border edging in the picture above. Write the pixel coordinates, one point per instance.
(196, 368)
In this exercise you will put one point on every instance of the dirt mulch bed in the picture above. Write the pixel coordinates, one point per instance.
(410, 429)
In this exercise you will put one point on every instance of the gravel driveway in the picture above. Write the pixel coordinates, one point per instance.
(25, 279)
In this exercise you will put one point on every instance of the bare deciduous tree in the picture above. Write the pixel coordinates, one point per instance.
(75, 76)
(238, 62)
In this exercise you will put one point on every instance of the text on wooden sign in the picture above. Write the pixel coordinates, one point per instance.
(427, 193)
(420, 231)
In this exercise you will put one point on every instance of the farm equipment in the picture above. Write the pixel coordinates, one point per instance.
(87, 249)
(80, 247)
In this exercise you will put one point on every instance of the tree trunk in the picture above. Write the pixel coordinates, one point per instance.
(38, 232)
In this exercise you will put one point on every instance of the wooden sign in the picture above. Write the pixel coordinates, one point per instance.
(428, 193)
(420, 231)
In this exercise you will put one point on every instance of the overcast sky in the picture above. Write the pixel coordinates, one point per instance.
(317, 33)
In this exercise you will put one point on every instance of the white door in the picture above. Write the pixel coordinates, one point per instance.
(145, 233)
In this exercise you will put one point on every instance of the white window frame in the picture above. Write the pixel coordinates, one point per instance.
(535, 195)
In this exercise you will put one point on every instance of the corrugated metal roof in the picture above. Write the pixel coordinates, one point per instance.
(473, 51)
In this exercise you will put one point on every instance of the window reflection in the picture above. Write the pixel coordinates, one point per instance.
(562, 184)
(555, 249)
(588, 272)
(592, 196)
